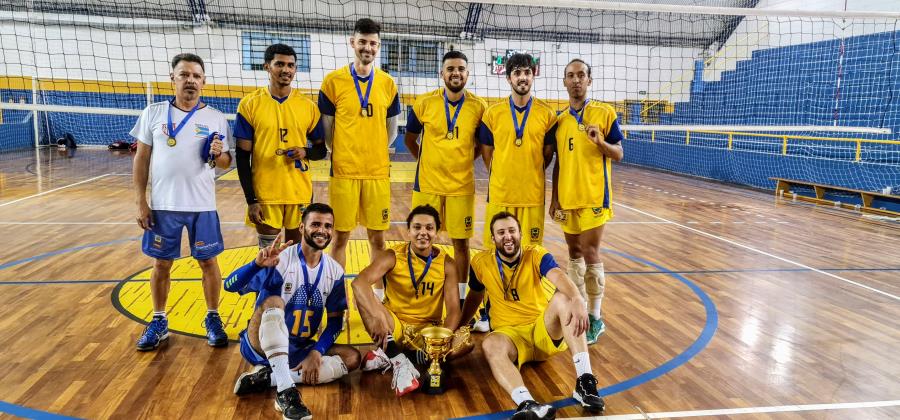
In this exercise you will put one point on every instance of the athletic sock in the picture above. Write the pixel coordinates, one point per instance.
(520, 395)
(582, 363)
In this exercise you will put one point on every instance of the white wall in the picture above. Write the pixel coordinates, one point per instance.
(138, 54)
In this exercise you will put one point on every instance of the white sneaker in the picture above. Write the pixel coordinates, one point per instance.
(375, 360)
(405, 376)
(482, 325)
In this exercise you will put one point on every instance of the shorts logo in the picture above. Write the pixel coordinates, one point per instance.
(596, 210)
(157, 241)
(199, 243)
(385, 215)
(468, 222)
(535, 233)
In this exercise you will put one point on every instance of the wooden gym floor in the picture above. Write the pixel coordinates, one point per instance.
(720, 301)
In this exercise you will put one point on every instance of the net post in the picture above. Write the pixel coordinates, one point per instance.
(34, 114)
(687, 137)
(730, 141)
(784, 145)
(858, 150)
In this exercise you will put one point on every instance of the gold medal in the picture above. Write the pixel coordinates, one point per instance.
(212, 163)
(171, 142)
(581, 127)
(363, 112)
(451, 136)
(519, 141)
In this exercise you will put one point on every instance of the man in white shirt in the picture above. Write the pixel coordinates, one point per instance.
(180, 142)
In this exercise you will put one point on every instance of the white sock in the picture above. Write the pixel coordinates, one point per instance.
(281, 371)
(161, 314)
(212, 311)
(582, 363)
(594, 308)
(296, 376)
(520, 395)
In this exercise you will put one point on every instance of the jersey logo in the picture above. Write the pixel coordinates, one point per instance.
(201, 130)
(535, 233)
(288, 287)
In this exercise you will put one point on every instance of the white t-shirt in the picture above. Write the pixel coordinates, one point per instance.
(180, 180)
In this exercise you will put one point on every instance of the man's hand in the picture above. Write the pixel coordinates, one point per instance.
(577, 317)
(215, 148)
(310, 367)
(555, 209)
(594, 134)
(145, 216)
(380, 331)
(268, 257)
(296, 153)
(254, 211)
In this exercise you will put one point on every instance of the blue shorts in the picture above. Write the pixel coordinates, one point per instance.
(163, 240)
(297, 351)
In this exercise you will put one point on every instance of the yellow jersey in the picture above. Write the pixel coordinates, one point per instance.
(446, 160)
(360, 146)
(422, 302)
(517, 298)
(274, 124)
(584, 172)
(517, 167)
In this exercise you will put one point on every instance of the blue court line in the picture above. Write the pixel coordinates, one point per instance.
(709, 330)
(66, 250)
(29, 413)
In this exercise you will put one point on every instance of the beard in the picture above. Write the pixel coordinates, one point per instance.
(502, 250)
(312, 242)
(522, 89)
(455, 89)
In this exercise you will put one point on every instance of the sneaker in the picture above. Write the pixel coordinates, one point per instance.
(257, 380)
(533, 410)
(482, 325)
(596, 329)
(376, 360)
(405, 376)
(157, 331)
(215, 330)
(586, 393)
(291, 407)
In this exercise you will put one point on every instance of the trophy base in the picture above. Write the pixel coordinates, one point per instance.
(434, 384)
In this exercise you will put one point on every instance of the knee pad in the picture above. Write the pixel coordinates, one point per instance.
(595, 280)
(273, 333)
(332, 368)
(576, 273)
(266, 241)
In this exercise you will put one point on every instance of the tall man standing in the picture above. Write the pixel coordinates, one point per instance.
(281, 130)
(588, 139)
(360, 107)
(517, 145)
(180, 142)
(447, 120)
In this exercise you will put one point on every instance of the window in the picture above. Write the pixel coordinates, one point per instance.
(402, 57)
(254, 44)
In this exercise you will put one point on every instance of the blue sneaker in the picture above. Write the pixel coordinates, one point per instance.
(215, 330)
(157, 331)
(596, 329)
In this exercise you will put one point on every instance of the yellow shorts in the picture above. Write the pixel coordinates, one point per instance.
(457, 211)
(532, 341)
(367, 201)
(406, 335)
(531, 220)
(279, 216)
(576, 221)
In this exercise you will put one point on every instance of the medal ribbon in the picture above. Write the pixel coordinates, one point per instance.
(172, 130)
(451, 123)
(579, 116)
(363, 100)
(520, 130)
(412, 273)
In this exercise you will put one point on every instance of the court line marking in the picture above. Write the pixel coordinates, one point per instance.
(750, 248)
(750, 410)
(53, 190)
(397, 222)
(30, 413)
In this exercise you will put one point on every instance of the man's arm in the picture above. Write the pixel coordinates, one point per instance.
(366, 300)
(140, 175)
(451, 295)
(413, 129)
(554, 195)
(486, 140)
(473, 298)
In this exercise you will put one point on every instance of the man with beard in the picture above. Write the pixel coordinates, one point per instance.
(420, 284)
(296, 286)
(448, 119)
(517, 145)
(180, 142)
(280, 130)
(526, 326)
(588, 139)
(360, 107)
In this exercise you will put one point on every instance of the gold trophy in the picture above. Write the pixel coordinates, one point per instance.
(438, 343)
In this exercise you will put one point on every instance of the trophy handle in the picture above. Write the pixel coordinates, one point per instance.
(465, 338)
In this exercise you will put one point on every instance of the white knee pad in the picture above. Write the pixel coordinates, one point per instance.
(332, 368)
(595, 280)
(266, 241)
(273, 333)
(577, 274)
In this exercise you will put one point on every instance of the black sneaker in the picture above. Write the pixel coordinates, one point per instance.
(290, 406)
(257, 380)
(533, 410)
(586, 393)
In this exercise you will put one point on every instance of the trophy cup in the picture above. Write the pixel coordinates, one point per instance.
(437, 343)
